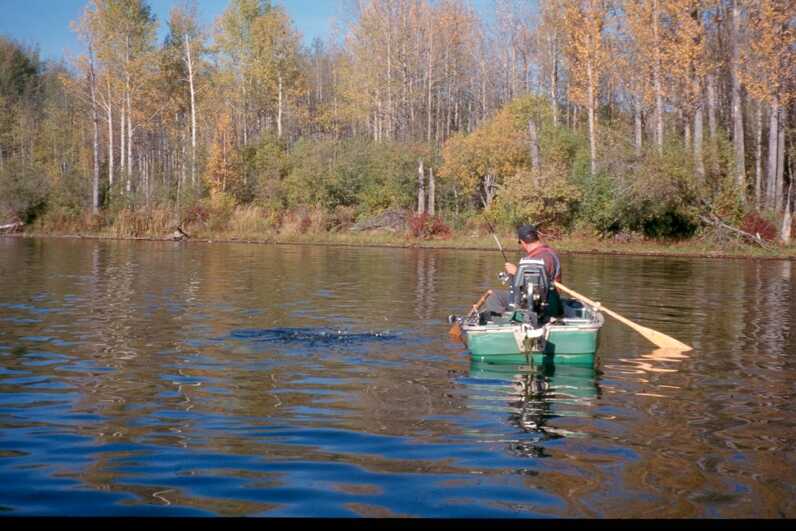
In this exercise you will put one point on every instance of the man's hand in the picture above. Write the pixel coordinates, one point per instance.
(511, 269)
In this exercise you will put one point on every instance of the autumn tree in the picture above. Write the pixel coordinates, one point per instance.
(276, 61)
(642, 20)
(185, 51)
(233, 41)
(769, 77)
(586, 53)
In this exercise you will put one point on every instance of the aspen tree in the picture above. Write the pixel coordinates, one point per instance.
(186, 35)
(233, 39)
(275, 60)
(586, 52)
(685, 56)
(737, 110)
(768, 74)
(549, 43)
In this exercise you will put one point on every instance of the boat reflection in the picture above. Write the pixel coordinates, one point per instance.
(538, 396)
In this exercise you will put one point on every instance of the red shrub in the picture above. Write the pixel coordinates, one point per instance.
(754, 223)
(195, 214)
(305, 224)
(423, 226)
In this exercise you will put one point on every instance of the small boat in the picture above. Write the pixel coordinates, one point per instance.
(539, 325)
(508, 338)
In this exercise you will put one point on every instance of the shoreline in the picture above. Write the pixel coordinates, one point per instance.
(563, 246)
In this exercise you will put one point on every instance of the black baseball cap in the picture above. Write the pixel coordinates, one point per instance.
(528, 233)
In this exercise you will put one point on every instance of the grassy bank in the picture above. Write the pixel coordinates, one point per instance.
(246, 225)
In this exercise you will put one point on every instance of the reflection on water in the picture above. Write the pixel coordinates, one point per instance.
(190, 379)
(538, 396)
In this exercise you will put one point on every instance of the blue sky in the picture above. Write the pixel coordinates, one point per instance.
(45, 23)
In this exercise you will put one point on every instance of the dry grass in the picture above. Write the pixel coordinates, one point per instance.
(304, 222)
(251, 222)
(62, 221)
(137, 224)
(313, 226)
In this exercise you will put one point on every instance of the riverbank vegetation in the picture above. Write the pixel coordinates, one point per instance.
(611, 124)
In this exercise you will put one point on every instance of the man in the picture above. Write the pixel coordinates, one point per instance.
(534, 247)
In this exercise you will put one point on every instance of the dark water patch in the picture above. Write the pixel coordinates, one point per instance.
(313, 337)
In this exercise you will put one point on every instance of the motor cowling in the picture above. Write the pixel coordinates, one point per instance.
(531, 286)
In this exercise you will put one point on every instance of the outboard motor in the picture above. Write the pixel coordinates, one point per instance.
(531, 287)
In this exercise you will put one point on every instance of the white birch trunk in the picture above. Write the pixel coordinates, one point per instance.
(592, 120)
(421, 188)
(787, 218)
(639, 137)
(779, 188)
(279, 109)
(95, 123)
(699, 161)
(431, 192)
(737, 111)
(189, 62)
(713, 125)
(773, 145)
(109, 110)
(554, 78)
(122, 139)
(430, 71)
(657, 79)
(129, 142)
(758, 154)
(533, 137)
(244, 113)
(389, 81)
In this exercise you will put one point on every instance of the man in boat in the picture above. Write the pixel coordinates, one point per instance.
(533, 246)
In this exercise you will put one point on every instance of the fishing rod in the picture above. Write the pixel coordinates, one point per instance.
(492, 230)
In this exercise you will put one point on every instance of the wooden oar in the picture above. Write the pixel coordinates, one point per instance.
(659, 338)
(456, 329)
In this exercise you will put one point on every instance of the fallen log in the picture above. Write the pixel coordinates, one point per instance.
(179, 234)
(11, 227)
(719, 224)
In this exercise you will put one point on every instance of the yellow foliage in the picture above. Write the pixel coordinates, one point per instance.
(584, 21)
(223, 166)
(768, 63)
(497, 149)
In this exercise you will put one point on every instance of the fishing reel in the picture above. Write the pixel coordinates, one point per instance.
(505, 278)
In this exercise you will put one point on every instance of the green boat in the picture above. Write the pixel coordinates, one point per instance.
(538, 327)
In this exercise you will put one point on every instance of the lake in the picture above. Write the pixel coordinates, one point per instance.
(193, 379)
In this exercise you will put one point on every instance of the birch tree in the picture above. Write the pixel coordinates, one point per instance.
(769, 74)
(276, 60)
(586, 53)
(187, 41)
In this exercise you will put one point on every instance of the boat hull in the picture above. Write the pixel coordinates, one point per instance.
(573, 341)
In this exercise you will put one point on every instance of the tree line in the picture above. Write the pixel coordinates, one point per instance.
(661, 117)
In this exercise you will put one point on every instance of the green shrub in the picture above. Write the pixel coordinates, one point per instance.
(600, 205)
(548, 200)
(663, 200)
(23, 191)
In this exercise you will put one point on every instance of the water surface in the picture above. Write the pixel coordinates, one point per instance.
(187, 379)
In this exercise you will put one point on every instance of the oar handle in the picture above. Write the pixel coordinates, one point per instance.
(480, 301)
(659, 338)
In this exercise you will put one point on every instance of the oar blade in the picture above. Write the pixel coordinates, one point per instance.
(456, 331)
(661, 340)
